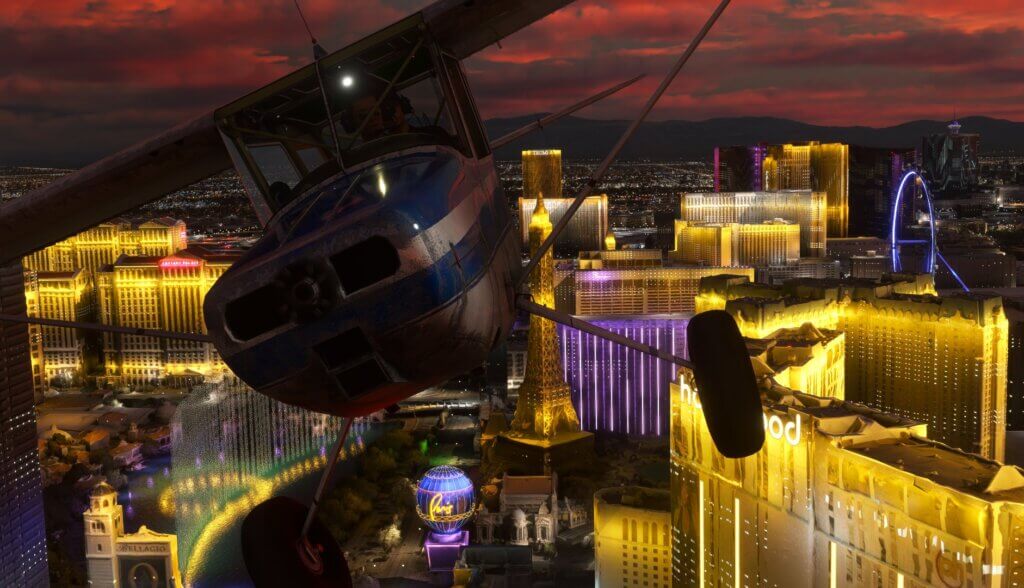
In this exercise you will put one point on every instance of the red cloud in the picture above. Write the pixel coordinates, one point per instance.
(96, 74)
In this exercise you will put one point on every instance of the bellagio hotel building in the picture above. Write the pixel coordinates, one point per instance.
(840, 495)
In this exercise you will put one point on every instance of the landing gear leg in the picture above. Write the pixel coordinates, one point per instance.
(284, 544)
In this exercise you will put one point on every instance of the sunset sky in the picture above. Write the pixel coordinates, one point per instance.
(79, 78)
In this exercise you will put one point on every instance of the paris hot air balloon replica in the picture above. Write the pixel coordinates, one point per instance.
(445, 501)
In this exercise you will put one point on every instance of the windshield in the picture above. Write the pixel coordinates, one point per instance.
(376, 99)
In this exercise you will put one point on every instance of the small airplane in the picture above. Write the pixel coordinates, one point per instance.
(388, 262)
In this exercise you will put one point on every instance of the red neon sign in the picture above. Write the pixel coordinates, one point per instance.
(173, 263)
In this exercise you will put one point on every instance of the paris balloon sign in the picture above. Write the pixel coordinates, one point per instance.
(445, 499)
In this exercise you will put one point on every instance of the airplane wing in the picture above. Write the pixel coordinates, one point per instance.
(139, 174)
(194, 150)
(464, 27)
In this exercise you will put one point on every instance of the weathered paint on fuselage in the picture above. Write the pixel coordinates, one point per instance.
(439, 315)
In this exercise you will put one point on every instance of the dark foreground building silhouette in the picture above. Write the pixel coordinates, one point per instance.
(22, 528)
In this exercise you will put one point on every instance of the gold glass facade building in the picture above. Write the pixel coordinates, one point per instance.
(542, 177)
(542, 174)
(632, 538)
(823, 167)
(586, 230)
(159, 293)
(806, 208)
(772, 242)
(839, 496)
(937, 360)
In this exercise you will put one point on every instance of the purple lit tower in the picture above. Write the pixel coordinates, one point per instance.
(620, 390)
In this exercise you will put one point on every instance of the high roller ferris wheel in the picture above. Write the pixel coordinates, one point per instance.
(918, 201)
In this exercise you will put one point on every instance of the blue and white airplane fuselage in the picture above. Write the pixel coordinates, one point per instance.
(378, 283)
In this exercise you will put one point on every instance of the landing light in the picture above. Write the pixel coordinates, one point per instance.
(347, 81)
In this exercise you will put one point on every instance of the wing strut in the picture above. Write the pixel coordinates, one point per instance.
(32, 320)
(542, 122)
(603, 168)
(569, 320)
(720, 364)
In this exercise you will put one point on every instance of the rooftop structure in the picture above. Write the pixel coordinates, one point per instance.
(838, 491)
(939, 360)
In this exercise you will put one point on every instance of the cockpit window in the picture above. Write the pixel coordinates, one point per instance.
(273, 161)
(311, 157)
(357, 104)
(374, 107)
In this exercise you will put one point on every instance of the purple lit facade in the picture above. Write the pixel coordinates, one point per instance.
(620, 390)
(740, 168)
(444, 551)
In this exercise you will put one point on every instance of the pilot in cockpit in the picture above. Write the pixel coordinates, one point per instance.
(388, 119)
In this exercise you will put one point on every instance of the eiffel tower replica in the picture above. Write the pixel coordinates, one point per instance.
(545, 431)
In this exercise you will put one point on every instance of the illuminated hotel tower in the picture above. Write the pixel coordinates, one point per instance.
(937, 360)
(802, 207)
(101, 245)
(823, 167)
(35, 336)
(632, 537)
(159, 293)
(772, 242)
(544, 409)
(621, 390)
(642, 290)
(542, 173)
(840, 496)
(65, 296)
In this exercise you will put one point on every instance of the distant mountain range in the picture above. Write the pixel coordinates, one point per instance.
(581, 138)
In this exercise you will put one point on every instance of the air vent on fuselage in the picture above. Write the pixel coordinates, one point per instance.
(343, 348)
(365, 263)
(255, 313)
(362, 378)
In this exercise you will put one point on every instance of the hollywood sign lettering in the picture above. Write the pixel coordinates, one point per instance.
(774, 425)
(780, 429)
